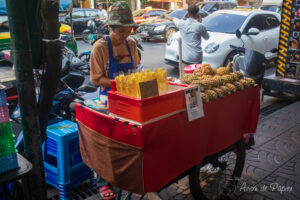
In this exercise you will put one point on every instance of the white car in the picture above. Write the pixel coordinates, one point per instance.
(222, 25)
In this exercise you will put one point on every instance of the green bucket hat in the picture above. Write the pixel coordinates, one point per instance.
(120, 15)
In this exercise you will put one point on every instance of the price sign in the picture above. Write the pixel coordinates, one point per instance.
(194, 104)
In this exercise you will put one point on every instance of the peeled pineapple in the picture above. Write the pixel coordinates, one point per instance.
(205, 77)
(204, 97)
(222, 71)
(219, 79)
(226, 90)
(231, 87)
(239, 74)
(205, 85)
(219, 92)
(207, 69)
(212, 95)
(195, 82)
(188, 78)
(198, 72)
(228, 78)
(234, 76)
(239, 86)
(229, 67)
(245, 83)
(250, 81)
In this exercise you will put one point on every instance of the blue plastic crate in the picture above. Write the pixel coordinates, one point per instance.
(62, 160)
(2, 97)
(8, 162)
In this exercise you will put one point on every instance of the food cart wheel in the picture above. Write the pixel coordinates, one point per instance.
(218, 175)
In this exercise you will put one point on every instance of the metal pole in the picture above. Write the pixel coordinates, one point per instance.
(71, 21)
(180, 58)
(20, 44)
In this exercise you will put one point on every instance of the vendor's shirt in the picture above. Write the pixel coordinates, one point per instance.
(191, 32)
(99, 62)
(102, 13)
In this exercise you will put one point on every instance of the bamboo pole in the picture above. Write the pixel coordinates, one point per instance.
(22, 58)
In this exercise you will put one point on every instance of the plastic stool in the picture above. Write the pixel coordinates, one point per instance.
(62, 160)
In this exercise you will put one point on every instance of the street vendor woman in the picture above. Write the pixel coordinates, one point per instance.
(116, 53)
(113, 54)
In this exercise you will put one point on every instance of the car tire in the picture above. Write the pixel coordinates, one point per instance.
(169, 32)
(229, 58)
(140, 54)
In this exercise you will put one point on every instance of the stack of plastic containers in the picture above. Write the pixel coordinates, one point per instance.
(8, 157)
(62, 160)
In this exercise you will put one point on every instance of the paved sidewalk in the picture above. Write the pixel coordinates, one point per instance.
(272, 164)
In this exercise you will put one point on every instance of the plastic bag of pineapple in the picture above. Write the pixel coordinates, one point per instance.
(216, 83)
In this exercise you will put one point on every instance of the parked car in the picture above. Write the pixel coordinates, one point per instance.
(80, 17)
(162, 28)
(212, 6)
(144, 15)
(5, 35)
(222, 25)
(271, 7)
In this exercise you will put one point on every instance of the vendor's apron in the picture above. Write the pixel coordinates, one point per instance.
(115, 67)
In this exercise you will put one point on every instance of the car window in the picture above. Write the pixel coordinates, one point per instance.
(207, 7)
(223, 23)
(232, 5)
(255, 22)
(216, 7)
(151, 13)
(227, 6)
(224, 6)
(202, 13)
(141, 13)
(270, 22)
(78, 14)
(159, 12)
(91, 13)
(179, 14)
(269, 8)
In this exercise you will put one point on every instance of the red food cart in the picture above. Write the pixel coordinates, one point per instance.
(146, 157)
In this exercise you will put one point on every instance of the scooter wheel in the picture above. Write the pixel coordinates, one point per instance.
(86, 37)
(84, 57)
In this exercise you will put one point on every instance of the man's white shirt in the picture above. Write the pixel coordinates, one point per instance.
(102, 14)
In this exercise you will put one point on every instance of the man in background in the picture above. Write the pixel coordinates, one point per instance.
(191, 31)
(102, 14)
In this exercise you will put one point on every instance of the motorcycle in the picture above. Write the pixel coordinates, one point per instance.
(70, 91)
(250, 62)
(93, 28)
(75, 63)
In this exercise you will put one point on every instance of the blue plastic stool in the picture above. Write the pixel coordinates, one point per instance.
(62, 160)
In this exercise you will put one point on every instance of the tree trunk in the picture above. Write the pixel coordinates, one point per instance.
(20, 43)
